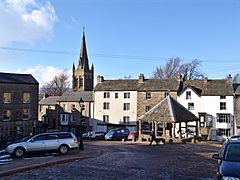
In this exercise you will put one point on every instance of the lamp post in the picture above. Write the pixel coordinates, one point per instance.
(81, 102)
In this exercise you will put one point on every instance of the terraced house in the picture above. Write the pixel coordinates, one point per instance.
(120, 102)
(212, 100)
(18, 105)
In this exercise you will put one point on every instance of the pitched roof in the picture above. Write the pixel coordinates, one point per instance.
(216, 87)
(134, 85)
(51, 100)
(17, 78)
(75, 96)
(236, 89)
(168, 110)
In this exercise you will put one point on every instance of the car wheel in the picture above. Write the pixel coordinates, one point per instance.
(19, 152)
(63, 149)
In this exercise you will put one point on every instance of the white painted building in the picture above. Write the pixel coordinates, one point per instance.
(114, 107)
(213, 102)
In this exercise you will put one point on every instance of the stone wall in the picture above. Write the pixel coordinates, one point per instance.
(156, 97)
(16, 126)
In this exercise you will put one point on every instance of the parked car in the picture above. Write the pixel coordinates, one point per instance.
(87, 135)
(60, 142)
(117, 134)
(133, 136)
(97, 135)
(229, 160)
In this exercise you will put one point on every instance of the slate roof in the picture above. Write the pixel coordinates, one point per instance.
(51, 100)
(17, 78)
(236, 89)
(169, 110)
(134, 85)
(222, 87)
(75, 96)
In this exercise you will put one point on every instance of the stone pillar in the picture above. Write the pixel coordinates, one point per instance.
(140, 130)
(197, 130)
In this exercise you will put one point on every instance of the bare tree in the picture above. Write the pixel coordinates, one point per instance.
(191, 70)
(174, 66)
(170, 70)
(57, 86)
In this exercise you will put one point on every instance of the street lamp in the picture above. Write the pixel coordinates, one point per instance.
(81, 102)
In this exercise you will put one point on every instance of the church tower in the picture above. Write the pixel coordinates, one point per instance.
(82, 76)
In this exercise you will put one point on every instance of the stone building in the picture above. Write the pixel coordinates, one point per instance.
(75, 111)
(19, 105)
(48, 112)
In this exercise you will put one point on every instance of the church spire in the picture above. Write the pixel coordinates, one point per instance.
(83, 59)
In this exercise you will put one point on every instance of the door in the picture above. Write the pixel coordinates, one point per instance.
(37, 143)
(52, 142)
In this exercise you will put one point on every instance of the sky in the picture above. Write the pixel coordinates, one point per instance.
(124, 38)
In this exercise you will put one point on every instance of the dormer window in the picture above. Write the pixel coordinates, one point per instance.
(188, 95)
(106, 95)
(222, 97)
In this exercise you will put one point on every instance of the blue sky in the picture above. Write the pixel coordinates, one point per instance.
(123, 37)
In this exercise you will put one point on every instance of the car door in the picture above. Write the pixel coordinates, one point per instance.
(52, 142)
(37, 143)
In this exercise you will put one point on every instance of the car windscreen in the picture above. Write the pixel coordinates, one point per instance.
(25, 139)
(232, 152)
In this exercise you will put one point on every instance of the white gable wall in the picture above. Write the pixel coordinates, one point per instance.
(115, 111)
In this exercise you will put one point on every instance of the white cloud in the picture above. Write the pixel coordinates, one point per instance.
(25, 21)
(44, 74)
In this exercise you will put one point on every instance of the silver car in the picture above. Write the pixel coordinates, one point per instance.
(60, 142)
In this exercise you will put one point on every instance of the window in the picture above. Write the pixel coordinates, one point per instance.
(148, 108)
(148, 95)
(126, 106)
(202, 120)
(73, 107)
(64, 119)
(7, 97)
(166, 94)
(223, 118)
(106, 105)
(188, 95)
(6, 115)
(222, 97)
(26, 114)
(223, 106)
(126, 119)
(52, 136)
(40, 138)
(223, 132)
(116, 95)
(73, 118)
(126, 95)
(26, 97)
(106, 95)
(105, 118)
(190, 106)
(80, 82)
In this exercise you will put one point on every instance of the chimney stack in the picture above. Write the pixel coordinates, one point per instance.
(100, 79)
(141, 78)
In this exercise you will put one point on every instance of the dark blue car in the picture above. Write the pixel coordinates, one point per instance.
(229, 160)
(117, 134)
